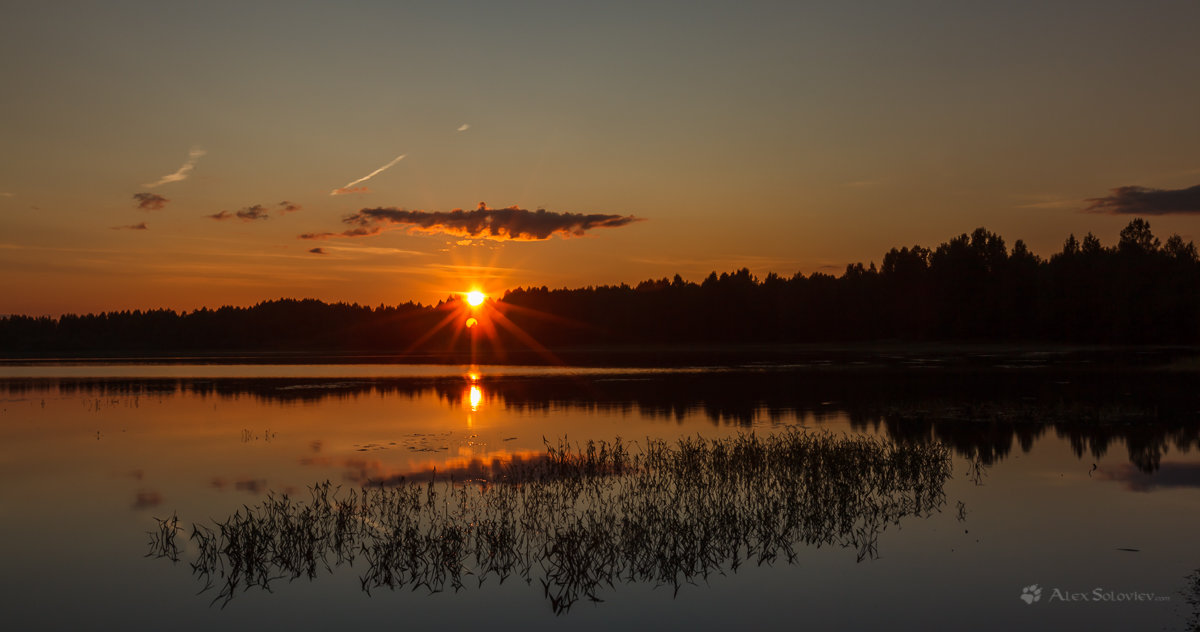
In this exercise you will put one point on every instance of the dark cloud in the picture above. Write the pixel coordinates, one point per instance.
(248, 214)
(1145, 201)
(482, 223)
(138, 226)
(258, 211)
(317, 251)
(288, 207)
(354, 232)
(150, 201)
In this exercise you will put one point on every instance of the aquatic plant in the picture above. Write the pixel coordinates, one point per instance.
(162, 539)
(585, 517)
(1191, 596)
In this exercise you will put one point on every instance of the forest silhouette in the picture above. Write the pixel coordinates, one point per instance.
(970, 288)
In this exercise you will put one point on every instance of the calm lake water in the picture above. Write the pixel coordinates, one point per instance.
(818, 496)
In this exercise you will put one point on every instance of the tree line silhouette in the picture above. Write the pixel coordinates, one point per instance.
(972, 287)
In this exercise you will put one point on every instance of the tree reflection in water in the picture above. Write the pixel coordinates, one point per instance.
(582, 518)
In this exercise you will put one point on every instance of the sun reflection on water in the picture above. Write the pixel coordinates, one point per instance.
(476, 396)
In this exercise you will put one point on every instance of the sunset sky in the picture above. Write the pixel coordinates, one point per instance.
(160, 154)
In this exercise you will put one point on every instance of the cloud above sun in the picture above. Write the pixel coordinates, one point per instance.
(1134, 200)
(180, 174)
(150, 201)
(248, 214)
(350, 186)
(257, 211)
(500, 224)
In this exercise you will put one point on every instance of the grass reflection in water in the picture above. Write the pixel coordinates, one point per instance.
(581, 518)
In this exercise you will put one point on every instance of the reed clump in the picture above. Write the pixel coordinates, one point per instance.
(587, 517)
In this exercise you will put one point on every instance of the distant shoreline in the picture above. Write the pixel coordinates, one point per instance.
(815, 356)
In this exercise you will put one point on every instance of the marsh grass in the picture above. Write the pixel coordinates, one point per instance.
(162, 539)
(1191, 596)
(584, 518)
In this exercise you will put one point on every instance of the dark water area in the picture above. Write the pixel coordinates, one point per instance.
(1041, 491)
(815, 356)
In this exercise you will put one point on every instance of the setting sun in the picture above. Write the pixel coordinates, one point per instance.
(475, 298)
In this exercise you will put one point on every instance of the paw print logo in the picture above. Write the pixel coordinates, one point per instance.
(1031, 593)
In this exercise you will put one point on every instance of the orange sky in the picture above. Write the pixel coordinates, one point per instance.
(777, 136)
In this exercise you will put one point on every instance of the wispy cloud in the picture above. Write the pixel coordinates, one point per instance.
(138, 226)
(372, 250)
(288, 207)
(150, 201)
(1134, 200)
(351, 188)
(248, 214)
(722, 260)
(1047, 201)
(464, 127)
(482, 223)
(354, 232)
(6, 194)
(182, 173)
(318, 251)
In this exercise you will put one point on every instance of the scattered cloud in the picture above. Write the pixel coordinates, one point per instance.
(182, 173)
(288, 207)
(138, 226)
(318, 251)
(1134, 200)
(1047, 201)
(371, 250)
(248, 214)
(6, 194)
(350, 188)
(150, 201)
(257, 211)
(482, 223)
(464, 127)
(354, 232)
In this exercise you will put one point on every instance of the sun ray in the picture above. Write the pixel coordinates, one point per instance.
(525, 338)
(552, 318)
(433, 330)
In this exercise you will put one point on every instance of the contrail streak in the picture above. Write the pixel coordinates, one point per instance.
(183, 171)
(349, 188)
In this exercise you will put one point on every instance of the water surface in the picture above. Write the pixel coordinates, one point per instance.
(1069, 478)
